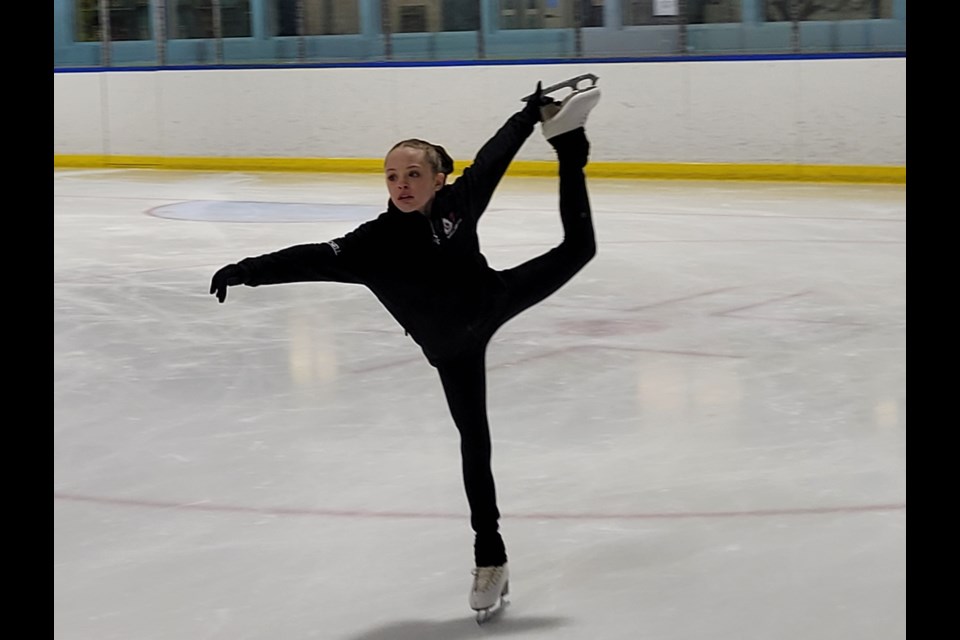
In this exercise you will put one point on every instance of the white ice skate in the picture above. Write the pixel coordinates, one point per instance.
(490, 586)
(571, 112)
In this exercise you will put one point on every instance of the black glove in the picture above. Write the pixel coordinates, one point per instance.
(228, 276)
(537, 100)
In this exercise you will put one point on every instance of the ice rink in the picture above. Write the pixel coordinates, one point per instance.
(701, 437)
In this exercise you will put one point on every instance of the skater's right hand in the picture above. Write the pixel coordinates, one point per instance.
(228, 276)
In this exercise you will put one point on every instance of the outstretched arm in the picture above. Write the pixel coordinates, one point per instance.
(334, 261)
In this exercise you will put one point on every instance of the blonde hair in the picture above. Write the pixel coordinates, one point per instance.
(436, 156)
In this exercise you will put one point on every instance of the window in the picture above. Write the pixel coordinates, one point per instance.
(780, 10)
(235, 18)
(649, 12)
(413, 18)
(190, 19)
(536, 14)
(194, 19)
(461, 15)
(422, 16)
(713, 11)
(320, 17)
(129, 20)
(591, 13)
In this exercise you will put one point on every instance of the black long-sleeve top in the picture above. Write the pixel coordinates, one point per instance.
(428, 272)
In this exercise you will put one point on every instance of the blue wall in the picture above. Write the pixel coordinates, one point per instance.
(612, 40)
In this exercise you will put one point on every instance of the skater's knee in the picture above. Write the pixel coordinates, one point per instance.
(584, 249)
(589, 249)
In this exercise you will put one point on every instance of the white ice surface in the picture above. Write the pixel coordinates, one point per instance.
(701, 437)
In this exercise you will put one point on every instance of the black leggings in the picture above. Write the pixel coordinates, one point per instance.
(464, 376)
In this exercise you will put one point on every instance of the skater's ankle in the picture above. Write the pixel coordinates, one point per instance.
(489, 549)
(491, 561)
(572, 147)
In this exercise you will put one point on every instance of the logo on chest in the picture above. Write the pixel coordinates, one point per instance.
(450, 224)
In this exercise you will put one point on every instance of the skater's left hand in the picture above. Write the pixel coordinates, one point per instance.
(228, 276)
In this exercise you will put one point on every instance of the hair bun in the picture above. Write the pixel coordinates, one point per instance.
(446, 162)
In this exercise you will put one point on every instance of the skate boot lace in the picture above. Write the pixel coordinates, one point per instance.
(485, 578)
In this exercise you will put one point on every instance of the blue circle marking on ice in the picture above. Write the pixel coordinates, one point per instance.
(236, 211)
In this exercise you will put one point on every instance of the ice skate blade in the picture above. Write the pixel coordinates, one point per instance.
(573, 83)
(492, 613)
